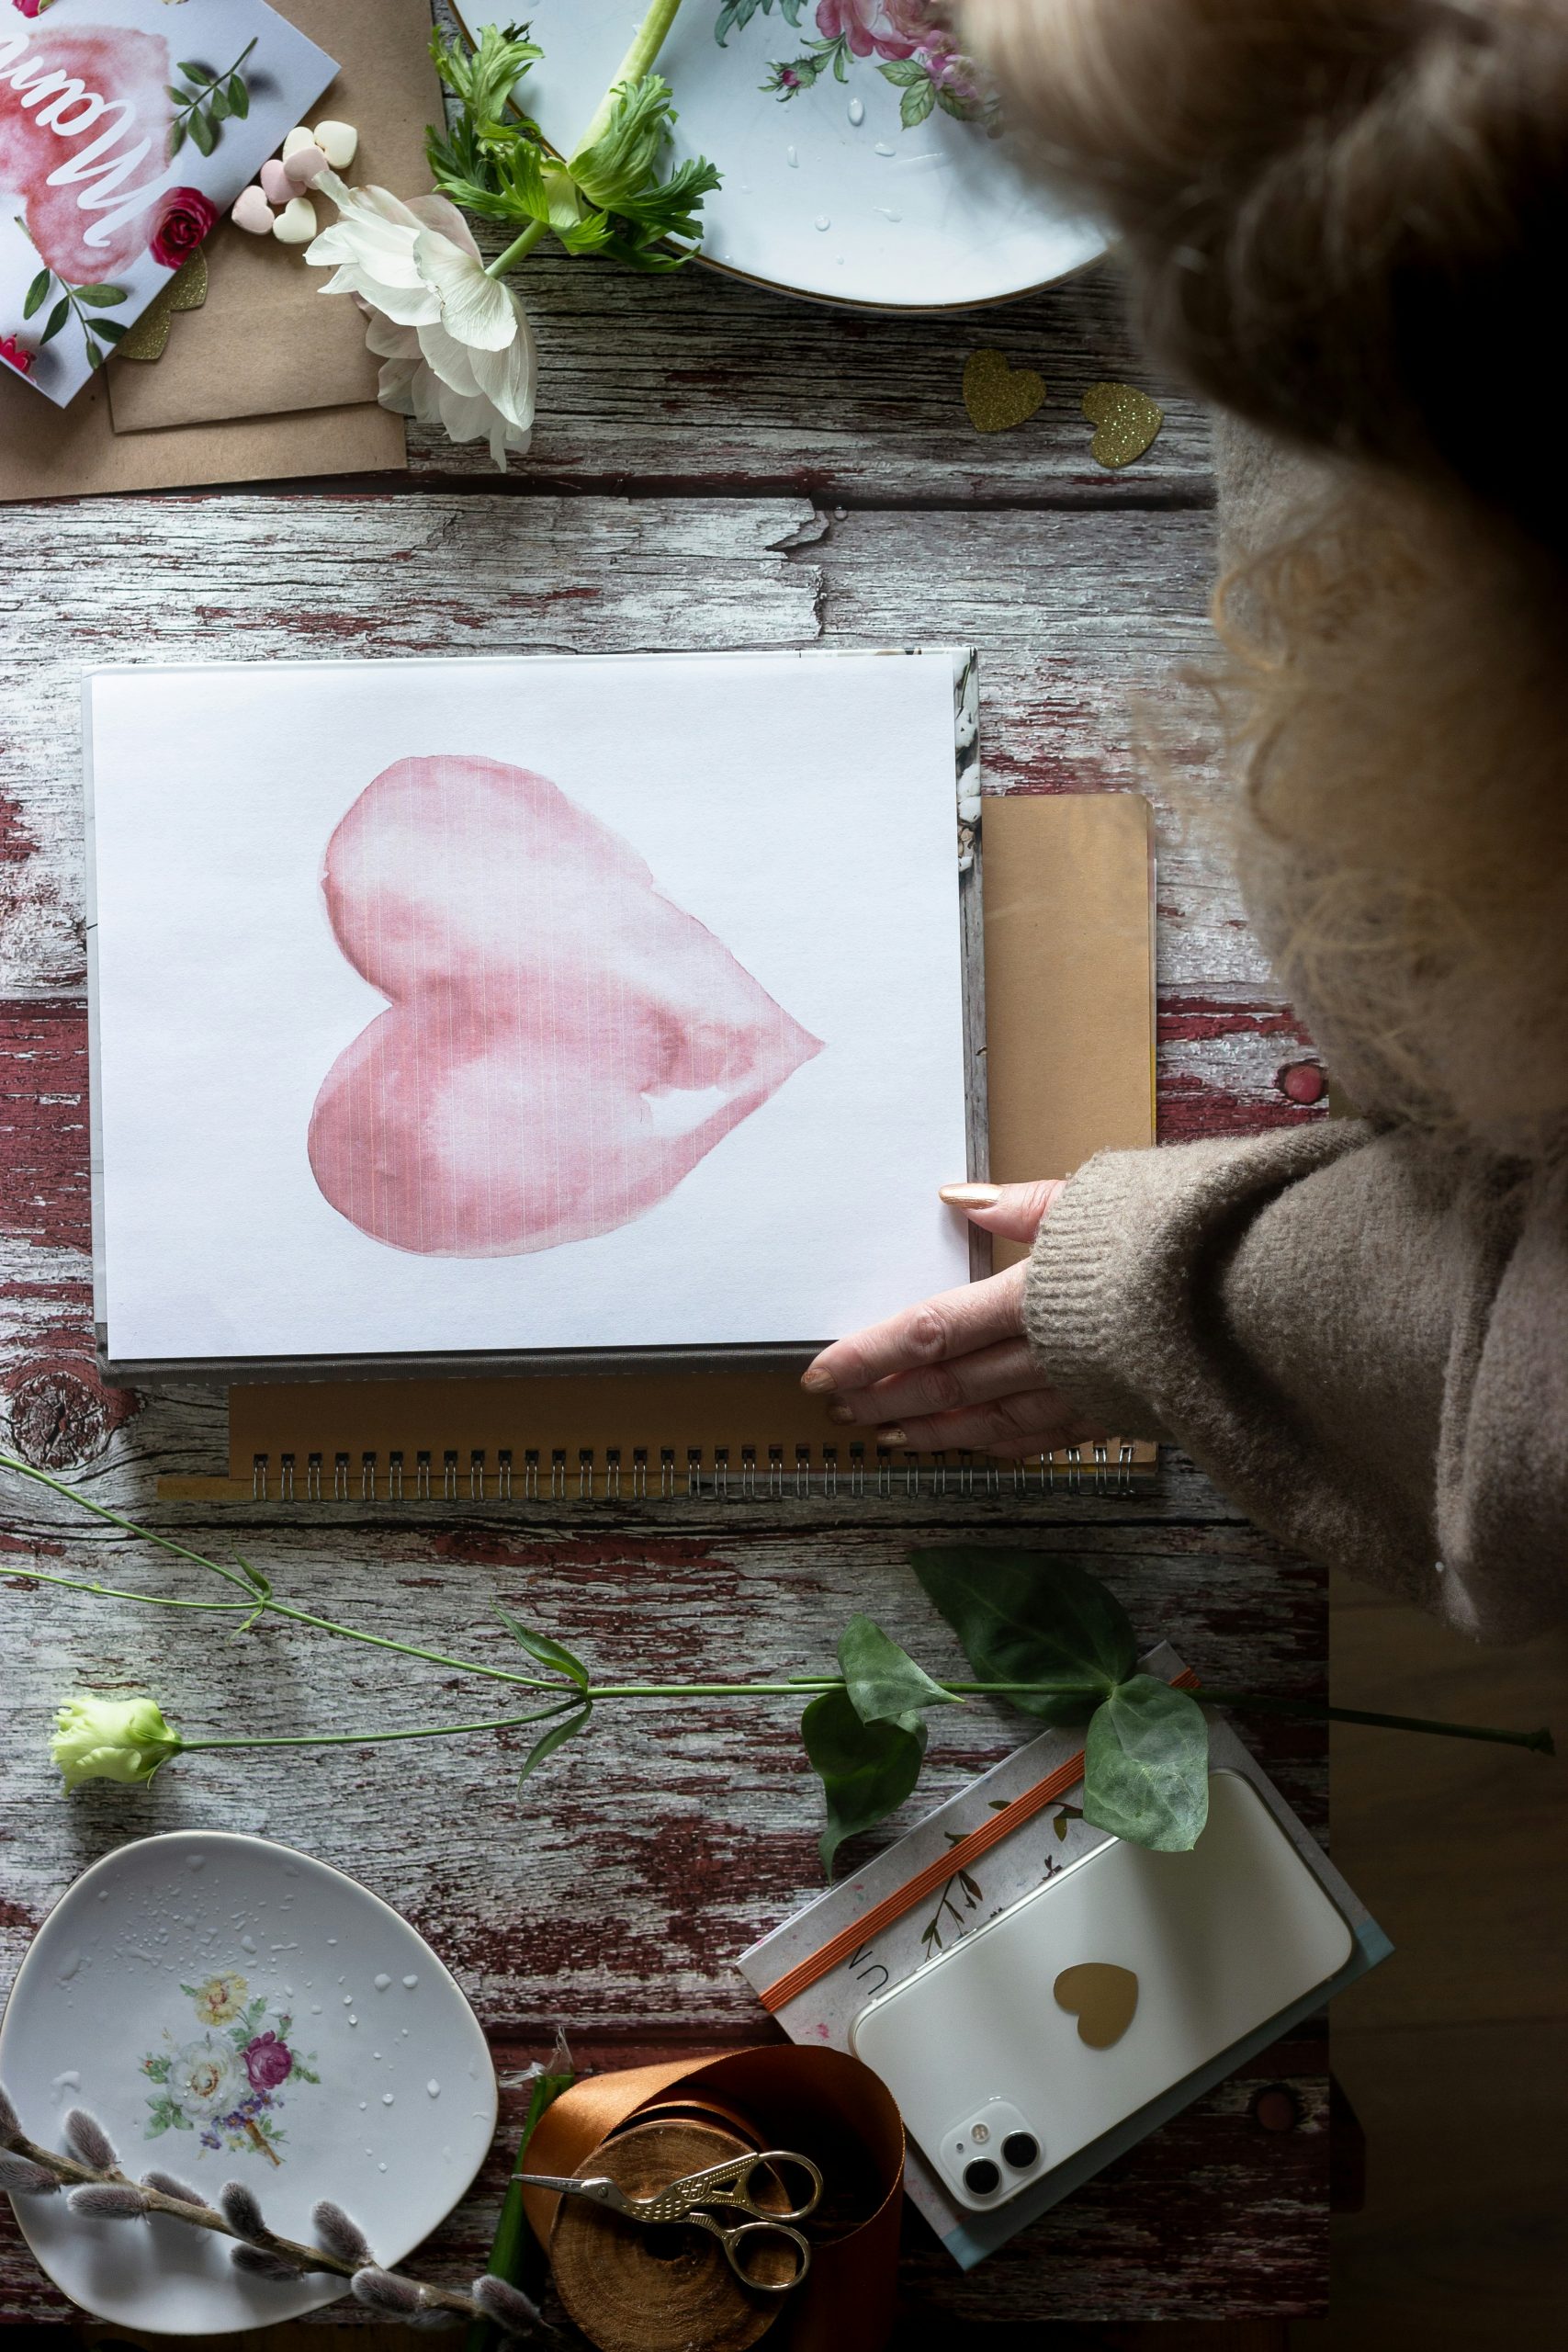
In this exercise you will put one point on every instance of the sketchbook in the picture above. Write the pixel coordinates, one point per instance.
(1070, 996)
(536, 1015)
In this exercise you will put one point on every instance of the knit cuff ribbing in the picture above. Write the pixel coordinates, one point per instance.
(1077, 1308)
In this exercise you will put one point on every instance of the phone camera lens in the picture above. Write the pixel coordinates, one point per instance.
(1021, 2149)
(981, 2177)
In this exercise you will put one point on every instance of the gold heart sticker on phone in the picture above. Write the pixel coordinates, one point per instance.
(1102, 1998)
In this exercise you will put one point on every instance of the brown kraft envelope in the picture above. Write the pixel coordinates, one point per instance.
(268, 378)
(1070, 1031)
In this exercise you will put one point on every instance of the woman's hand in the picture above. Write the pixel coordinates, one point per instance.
(955, 1373)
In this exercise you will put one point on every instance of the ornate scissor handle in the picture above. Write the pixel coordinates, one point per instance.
(734, 2242)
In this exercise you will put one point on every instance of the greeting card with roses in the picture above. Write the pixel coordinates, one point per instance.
(127, 130)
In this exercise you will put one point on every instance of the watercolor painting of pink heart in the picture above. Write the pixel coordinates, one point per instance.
(120, 148)
(562, 1044)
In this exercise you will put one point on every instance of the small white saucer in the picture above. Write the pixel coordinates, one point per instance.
(232, 2010)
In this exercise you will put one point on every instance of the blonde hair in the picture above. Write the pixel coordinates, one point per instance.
(1344, 221)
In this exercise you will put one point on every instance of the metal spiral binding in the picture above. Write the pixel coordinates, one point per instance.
(763, 1473)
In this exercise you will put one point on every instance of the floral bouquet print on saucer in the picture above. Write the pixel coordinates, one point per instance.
(127, 128)
(226, 2084)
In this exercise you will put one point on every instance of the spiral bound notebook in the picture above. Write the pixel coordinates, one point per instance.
(537, 1015)
(1069, 994)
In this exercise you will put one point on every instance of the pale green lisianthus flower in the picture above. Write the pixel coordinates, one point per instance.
(112, 1739)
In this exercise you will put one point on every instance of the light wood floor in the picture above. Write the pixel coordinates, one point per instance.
(1454, 2054)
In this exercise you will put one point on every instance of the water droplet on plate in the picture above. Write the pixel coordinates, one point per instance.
(386, 2099)
(68, 1966)
(882, 148)
(351, 2018)
(887, 213)
(247, 1943)
(434, 2087)
(823, 222)
(411, 1982)
(196, 1861)
(857, 112)
(382, 1982)
(792, 158)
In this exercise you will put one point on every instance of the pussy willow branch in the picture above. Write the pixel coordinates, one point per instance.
(647, 42)
(72, 2174)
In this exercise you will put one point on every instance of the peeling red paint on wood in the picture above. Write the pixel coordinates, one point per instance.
(1190, 1110)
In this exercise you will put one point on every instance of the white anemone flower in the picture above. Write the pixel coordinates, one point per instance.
(457, 348)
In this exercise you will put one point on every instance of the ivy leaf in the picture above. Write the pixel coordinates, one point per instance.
(56, 319)
(38, 293)
(1033, 1617)
(916, 103)
(1146, 1766)
(238, 94)
(202, 132)
(565, 1727)
(866, 1770)
(883, 1682)
(99, 298)
(547, 1652)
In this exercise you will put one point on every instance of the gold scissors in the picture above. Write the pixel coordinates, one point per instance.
(727, 2185)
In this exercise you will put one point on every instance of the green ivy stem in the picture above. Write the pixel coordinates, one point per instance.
(647, 42)
(258, 1601)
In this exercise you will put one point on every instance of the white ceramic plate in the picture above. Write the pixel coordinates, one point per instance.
(825, 193)
(232, 2010)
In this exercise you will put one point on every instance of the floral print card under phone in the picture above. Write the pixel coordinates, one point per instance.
(127, 127)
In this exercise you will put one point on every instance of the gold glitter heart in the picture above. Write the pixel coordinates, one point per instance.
(998, 396)
(1128, 420)
(187, 290)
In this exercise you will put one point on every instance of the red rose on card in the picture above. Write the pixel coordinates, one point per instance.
(187, 218)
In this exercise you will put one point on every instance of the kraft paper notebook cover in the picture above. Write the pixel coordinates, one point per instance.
(1069, 973)
(267, 379)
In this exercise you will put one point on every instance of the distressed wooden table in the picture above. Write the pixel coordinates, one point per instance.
(714, 467)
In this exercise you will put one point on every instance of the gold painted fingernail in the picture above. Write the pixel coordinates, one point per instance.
(817, 1379)
(892, 1437)
(840, 1412)
(971, 1196)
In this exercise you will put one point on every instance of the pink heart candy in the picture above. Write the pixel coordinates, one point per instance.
(302, 168)
(276, 185)
(253, 212)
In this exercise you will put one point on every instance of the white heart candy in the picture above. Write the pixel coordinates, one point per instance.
(296, 225)
(339, 143)
(300, 136)
(253, 212)
(305, 164)
(276, 185)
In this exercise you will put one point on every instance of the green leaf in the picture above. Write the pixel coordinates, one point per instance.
(176, 138)
(483, 78)
(916, 103)
(100, 297)
(111, 331)
(866, 1770)
(55, 321)
(558, 1735)
(194, 70)
(951, 102)
(238, 96)
(220, 105)
(1146, 1766)
(202, 133)
(180, 97)
(622, 162)
(904, 71)
(548, 1653)
(1033, 1617)
(883, 1682)
(38, 292)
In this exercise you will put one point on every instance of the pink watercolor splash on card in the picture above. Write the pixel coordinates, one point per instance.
(563, 1043)
(92, 104)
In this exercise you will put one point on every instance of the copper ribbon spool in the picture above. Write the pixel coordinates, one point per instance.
(634, 2289)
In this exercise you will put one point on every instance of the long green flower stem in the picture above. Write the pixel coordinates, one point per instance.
(647, 42)
(259, 1602)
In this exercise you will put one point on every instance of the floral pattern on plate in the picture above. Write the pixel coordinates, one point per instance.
(909, 48)
(226, 2084)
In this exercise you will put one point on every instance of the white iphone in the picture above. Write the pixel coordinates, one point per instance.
(1097, 1992)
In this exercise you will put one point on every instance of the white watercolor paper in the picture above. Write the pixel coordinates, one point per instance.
(127, 130)
(664, 1044)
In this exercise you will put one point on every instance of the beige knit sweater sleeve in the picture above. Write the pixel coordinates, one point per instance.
(1361, 1336)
